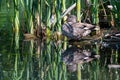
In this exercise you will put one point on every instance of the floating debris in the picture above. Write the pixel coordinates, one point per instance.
(113, 66)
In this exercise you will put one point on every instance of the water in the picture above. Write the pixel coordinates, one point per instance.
(41, 60)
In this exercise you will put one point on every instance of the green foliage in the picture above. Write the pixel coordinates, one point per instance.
(116, 11)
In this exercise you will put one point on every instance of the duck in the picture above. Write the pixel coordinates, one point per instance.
(76, 30)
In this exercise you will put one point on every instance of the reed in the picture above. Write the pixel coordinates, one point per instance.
(95, 11)
(64, 71)
(17, 74)
(17, 24)
(58, 15)
(115, 8)
(53, 14)
(40, 10)
(63, 8)
(48, 14)
(95, 14)
(78, 5)
(79, 72)
(64, 20)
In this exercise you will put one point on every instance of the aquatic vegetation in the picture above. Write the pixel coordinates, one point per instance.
(34, 42)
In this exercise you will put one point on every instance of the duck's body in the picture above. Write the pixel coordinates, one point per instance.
(75, 30)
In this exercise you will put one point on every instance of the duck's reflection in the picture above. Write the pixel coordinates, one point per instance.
(74, 55)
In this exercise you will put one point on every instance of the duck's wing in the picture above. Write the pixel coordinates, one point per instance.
(67, 30)
(78, 25)
(88, 26)
(83, 25)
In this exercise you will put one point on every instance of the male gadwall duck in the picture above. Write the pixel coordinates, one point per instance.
(75, 30)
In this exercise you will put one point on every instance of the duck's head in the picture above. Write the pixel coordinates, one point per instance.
(71, 18)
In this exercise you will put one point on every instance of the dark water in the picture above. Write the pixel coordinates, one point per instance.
(41, 60)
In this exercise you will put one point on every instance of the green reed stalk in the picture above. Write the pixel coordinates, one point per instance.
(53, 14)
(79, 72)
(64, 70)
(63, 7)
(78, 5)
(31, 47)
(29, 59)
(40, 8)
(49, 62)
(31, 24)
(56, 62)
(96, 74)
(64, 18)
(48, 13)
(58, 14)
(95, 14)
(17, 73)
(28, 5)
(38, 17)
(115, 12)
(17, 24)
(16, 66)
(29, 15)
(95, 11)
(48, 51)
